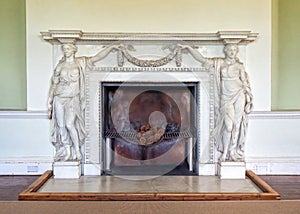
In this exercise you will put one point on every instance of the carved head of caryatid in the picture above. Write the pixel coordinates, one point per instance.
(231, 50)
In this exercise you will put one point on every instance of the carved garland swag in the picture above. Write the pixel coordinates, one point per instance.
(123, 53)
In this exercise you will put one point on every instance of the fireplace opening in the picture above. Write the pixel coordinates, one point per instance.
(149, 128)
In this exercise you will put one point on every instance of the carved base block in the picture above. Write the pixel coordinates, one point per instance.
(70, 169)
(231, 170)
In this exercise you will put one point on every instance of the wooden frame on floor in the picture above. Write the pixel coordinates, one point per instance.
(32, 194)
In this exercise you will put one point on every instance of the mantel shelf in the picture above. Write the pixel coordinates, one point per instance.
(78, 36)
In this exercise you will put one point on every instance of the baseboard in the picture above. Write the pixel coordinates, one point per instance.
(259, 165)
(274, 165)
(25, 165)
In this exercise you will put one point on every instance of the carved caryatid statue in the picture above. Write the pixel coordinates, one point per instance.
(66, 102)
(233, 101)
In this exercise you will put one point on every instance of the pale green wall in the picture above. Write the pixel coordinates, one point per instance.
(286, 84)
(274, 56)
(12, 55)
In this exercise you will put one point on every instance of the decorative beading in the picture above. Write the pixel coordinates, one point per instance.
(211, 117)
(101, 139)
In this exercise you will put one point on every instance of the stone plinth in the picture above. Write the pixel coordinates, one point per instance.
(69, 169)
(231, 170)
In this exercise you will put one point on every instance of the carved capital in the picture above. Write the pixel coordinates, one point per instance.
(236, 37)
(62, 36)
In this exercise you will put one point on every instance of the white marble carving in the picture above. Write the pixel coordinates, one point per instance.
(233, 101)
(150, 62)
(66, 102)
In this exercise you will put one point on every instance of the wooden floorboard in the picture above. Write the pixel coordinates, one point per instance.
(287, 186)
(12, 186)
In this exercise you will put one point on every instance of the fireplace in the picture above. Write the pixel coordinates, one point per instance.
(149, 106)
(150, 125)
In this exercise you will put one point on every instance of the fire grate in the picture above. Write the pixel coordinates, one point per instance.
(132, 136)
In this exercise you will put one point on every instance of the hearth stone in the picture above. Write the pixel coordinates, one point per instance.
(231, 170)
(69, 169)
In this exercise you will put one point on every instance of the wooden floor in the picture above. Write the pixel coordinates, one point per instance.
(287, 186)
(11, 186)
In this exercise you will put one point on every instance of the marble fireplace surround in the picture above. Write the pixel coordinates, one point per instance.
(149, 66)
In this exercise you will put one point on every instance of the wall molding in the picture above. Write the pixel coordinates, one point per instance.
(23, 114)
(295, 159)
(274, 115)
(42, 114)
(27, 159)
